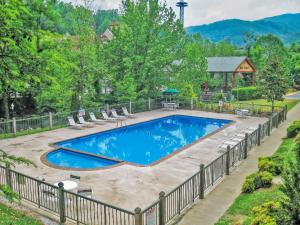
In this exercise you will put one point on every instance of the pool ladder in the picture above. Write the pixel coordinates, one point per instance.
(121, 123)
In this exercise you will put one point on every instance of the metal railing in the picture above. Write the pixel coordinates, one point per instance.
(183, 196)
(56, 120)
(63, 203)
(84, 210)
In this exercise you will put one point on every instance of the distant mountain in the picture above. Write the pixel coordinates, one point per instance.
(286, 27)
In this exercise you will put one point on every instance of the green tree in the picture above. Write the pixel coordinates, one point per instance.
(291, 186)
(294, 59)
(273, 80)
(126, 89)
(146, 44)
(16, 52)
(192, 69)
(265, 48)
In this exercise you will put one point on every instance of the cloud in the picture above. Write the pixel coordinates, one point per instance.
(208, 11)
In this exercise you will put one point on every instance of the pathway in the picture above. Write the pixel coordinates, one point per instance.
(209, 210)
(293, 96)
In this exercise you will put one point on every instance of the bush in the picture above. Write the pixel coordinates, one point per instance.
(272, 165)
(293, 129)
(269, 213)
(248, 186)
(265, 179)
(246, 93)
(256, 181)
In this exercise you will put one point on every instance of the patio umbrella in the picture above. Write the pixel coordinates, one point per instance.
(170, 92)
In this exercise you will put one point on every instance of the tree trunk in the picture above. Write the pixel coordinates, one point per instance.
(5, 106)
(273, 103)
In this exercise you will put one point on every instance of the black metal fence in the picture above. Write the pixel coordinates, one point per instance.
(179, 199)
(84, 210)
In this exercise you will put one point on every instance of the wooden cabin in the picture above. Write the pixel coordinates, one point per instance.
(230, 68)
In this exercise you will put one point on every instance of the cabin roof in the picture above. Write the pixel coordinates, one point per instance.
(226, 64)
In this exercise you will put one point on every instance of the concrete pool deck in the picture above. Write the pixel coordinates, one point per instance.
(129, 186)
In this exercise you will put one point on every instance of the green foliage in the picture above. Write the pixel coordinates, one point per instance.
(265, 179)
(293, 129)
(272, 165)
(9, 194)
(248, 186)
(269, 213)
(291, 186)
(246, 93)
(274, 82)
(256, 181)
(187, 92)
(11, 161)
(9, 215)
(240, 212)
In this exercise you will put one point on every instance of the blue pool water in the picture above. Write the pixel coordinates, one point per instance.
(70, 159)
(147, 142)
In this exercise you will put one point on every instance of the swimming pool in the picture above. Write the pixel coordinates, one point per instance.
(70, 159)
(148, 142)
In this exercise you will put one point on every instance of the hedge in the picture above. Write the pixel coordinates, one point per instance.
(246, 93)
(293, 129)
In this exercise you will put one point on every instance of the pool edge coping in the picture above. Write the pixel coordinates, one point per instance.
(121, 163)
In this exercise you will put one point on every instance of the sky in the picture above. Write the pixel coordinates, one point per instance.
(207, 11)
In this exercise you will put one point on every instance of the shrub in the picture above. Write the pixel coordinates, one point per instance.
(263, 220)
(265, 179)
(269, 213)
(248, 186)
(270, 164)
(256, 181)
(246, 93)
(293, 129)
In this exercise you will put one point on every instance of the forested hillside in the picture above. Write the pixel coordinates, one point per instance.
(286, 27)
(52, 59)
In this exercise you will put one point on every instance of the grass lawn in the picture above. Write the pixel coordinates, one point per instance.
(27, 132)
(9, 216)
(240, 212)
(289, 102)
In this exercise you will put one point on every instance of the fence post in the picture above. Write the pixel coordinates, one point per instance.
(138, 216)
(285, 112)
(50, 120)
(149, 103)
(259, 135)
(192, 104)
(228, 160)
(14, 126)
(61, 202)
(130, 107)
(269, 126)
(162, 208)
(246, 146)
(277, 120)
(107, 108)
(202, 182)
(8, 176)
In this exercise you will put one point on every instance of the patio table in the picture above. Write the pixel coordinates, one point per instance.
(68, 184)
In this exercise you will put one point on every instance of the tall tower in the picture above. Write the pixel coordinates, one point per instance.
(182, 4)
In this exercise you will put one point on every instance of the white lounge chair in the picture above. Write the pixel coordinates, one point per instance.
(73, 124)
(95, 120)
(83, 122)
(115, 115)
(127, 114)
(107, 118)
(243, 113)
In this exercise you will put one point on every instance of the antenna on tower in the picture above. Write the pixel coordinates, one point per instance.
(182, 4)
